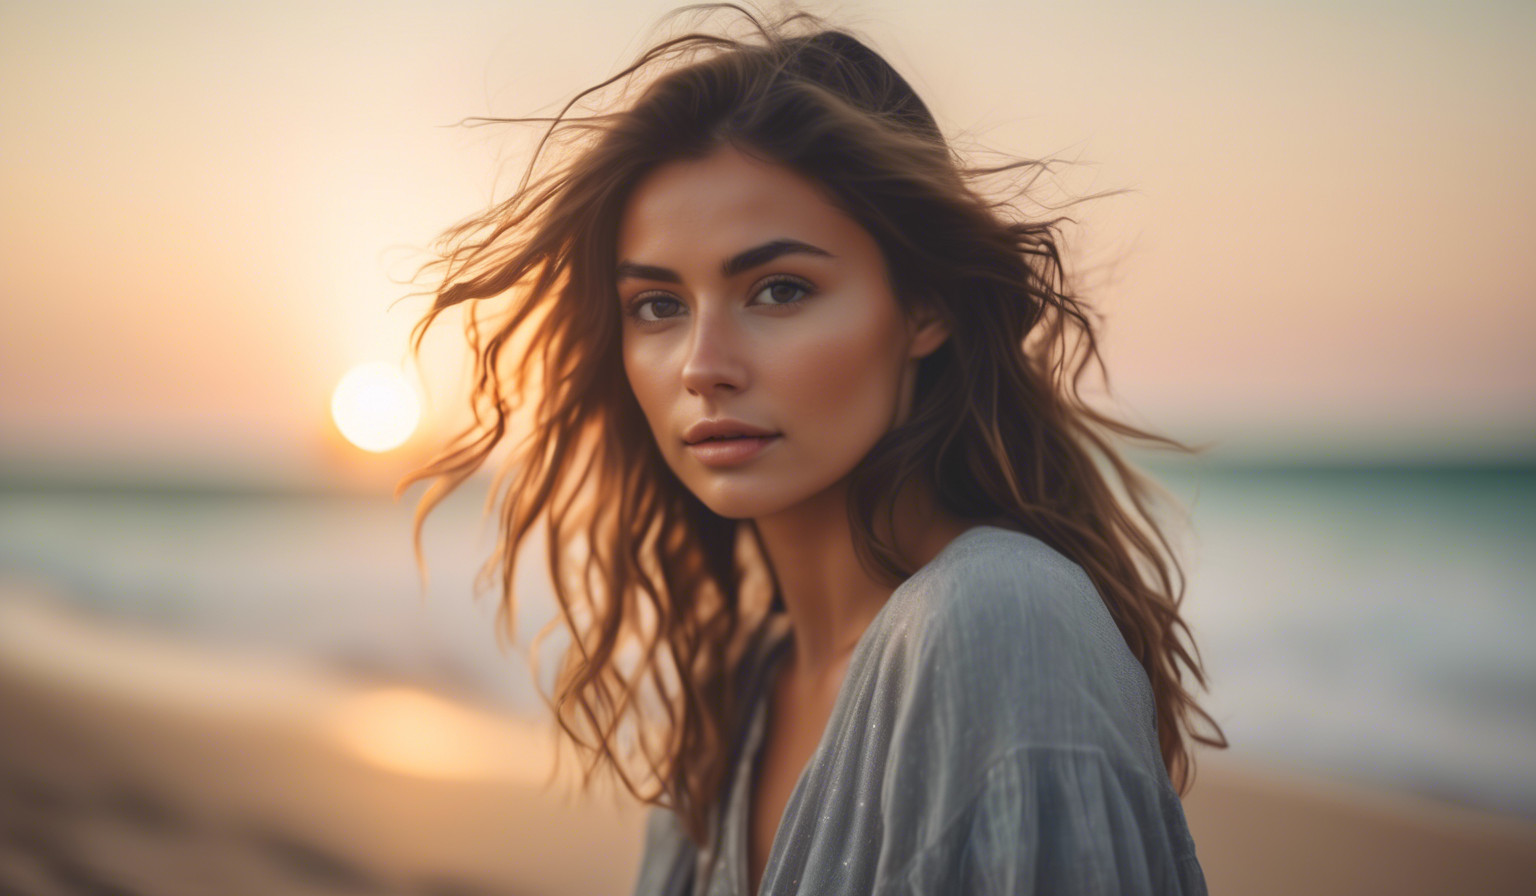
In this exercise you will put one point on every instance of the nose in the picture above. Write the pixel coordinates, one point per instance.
(715, 362)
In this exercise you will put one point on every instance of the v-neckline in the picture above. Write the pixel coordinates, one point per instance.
(746, 770)
(741, 805)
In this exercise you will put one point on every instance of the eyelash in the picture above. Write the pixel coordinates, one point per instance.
(805, 287)
(633, 309)
(644, 299)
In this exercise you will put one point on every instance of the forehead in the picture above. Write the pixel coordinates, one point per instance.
(724, 202)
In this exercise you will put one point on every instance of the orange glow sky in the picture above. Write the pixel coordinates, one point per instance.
(1326, 244)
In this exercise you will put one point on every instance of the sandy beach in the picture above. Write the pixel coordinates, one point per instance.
(136, 764)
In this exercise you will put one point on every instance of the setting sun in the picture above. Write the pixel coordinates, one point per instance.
(374, 407)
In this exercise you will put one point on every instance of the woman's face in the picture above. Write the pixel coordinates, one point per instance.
(762, 338)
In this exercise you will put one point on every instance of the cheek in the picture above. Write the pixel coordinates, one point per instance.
(845, 378)
(645, 372)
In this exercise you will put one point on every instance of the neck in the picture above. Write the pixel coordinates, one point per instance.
(829, 596)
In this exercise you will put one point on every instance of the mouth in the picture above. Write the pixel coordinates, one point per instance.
(733, 438)
(730, 450)
(724, 430)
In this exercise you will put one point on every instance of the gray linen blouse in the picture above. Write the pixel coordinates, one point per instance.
(993, 735)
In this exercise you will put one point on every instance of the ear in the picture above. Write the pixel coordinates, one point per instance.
(928, 331)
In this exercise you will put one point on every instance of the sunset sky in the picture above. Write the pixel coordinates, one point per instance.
(1325, 244)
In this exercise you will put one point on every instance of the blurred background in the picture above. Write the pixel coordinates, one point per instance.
(218, 659)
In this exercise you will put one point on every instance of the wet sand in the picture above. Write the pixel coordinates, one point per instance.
(135, 764)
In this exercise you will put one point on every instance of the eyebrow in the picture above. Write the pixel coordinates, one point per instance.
(736, 264)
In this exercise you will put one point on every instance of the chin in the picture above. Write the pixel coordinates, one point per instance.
(753, 498)
(741, 504)
(753, 493)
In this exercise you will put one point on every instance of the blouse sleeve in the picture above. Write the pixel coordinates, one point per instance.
(1025, 758)
(1050, 821)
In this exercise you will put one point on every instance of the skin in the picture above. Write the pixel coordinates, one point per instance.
(805, 339)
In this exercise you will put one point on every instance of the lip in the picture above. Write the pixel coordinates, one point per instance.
(723, 429)
(727, 443)
(730, 452)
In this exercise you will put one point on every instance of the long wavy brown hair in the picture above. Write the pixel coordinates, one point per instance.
(661, 598)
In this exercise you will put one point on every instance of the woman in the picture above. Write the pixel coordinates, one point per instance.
(852, 601)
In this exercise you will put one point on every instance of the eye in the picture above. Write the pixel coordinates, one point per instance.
(781, 291)
(654, 307)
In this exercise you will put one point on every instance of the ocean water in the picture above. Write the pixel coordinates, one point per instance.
(1378, 624)
(1375, 624)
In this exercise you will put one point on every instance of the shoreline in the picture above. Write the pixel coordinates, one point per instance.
(152, 764)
